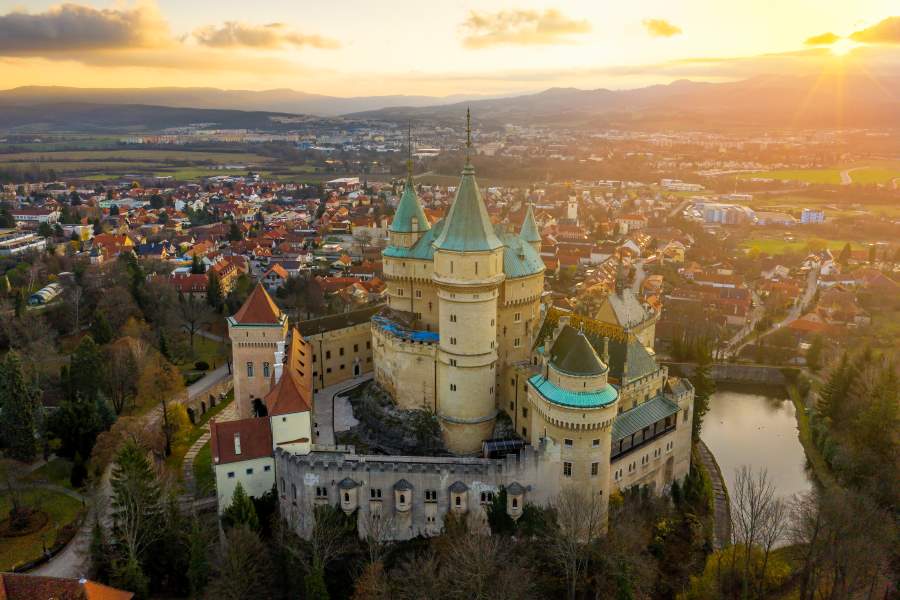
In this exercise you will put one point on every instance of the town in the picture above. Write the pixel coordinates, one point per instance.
(635, 341)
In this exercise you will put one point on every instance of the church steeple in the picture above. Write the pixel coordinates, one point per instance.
(409, 217)
(529, 231)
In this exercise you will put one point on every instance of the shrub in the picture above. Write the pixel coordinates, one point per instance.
(201, 365)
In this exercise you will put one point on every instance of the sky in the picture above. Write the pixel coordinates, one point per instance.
(442, 47)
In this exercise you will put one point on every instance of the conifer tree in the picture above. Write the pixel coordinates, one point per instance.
(214, 291)
(19, 410)
(198, 562)
(137, 510)
(704, 387)
(101, 330)
(241, 511)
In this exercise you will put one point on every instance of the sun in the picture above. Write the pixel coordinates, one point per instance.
(842, 47)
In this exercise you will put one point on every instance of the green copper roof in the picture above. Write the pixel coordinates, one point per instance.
(519, 258)
(468, 227)
(423, 249)
(529, 231)
(407, 210)
(572, 353)
(557, 395)
(643, 415)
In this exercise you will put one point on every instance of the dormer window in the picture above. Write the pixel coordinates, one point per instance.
(237, 444)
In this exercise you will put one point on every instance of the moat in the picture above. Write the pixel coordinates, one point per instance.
(757, 427)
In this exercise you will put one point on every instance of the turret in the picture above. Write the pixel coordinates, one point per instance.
(529, 231)
(409, 223)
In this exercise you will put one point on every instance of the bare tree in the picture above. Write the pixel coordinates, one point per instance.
(579, 517)
(243, 569)
(76, 293)
(194, 314)
(379, 529)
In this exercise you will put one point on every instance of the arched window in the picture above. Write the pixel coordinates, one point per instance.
(293, 491)
(515, 503)
(459, 500)
(402, 498)
(346, 497)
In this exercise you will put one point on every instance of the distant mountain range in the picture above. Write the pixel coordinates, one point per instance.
(279, 100)
(765, 101)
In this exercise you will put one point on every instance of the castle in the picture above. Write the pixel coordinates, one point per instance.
(466, 335)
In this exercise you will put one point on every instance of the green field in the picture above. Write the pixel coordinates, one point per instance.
(61, 509)
(204, 475)
(776, 246)
(832, 208)
(136, 155)
(874, 175)
(829, 176)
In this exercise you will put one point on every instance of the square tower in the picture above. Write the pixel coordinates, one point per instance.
(258, 332)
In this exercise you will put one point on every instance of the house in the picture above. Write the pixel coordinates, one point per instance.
(190, 284)
(20, 586)
(36, 215)
(275, 277)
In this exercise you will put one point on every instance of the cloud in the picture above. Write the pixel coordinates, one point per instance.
(661, 28)
(521, 28)
(885, 32)
(72, 27)
(823, 39)
(273, 35)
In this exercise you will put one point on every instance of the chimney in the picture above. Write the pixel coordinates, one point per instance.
(606, 350)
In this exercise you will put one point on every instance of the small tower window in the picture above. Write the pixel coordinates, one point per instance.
(249, 369)
(567, 469)
(265, 369)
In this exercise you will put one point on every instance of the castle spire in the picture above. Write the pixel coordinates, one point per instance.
(409, 160)
(468, 134)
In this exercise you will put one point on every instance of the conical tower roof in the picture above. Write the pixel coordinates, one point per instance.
(529, 232)
(467, 227)
(572, 353)
(258, 309)
(409, 217)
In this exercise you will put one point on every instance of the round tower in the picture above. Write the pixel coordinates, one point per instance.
(468, 272)
(574, 406)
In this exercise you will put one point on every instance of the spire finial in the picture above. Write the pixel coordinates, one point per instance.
(468, 134)
(409, 161)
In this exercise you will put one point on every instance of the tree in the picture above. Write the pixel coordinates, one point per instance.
(844, 256)
(160, 382)
(193, 313)
(19, 410)
(136, 511)
(241, 511)
(99, 553)
(198, 561)
(100, 329)
(814, 353)
(214, 294)
(243, 569)
(704, 387)
(234, 233)
(87, 370)
(197, 266)
(579, 519)
(44, 230)
(156, 202)
(122, 366)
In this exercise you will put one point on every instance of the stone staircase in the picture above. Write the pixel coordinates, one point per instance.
(229, 413)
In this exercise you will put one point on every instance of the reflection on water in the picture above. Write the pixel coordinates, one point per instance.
(760, 430)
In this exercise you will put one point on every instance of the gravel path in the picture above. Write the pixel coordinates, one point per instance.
(721, 507)
(230, 413)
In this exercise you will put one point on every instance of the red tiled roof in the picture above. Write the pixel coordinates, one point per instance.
(259, 309)
(288, 396)
(255, 436)
(19, 586)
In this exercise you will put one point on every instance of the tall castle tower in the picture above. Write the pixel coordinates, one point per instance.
(258, 332)
(468, 272)
(529, 232)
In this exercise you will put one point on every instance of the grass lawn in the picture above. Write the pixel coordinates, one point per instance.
(204, 475)
(775, 246)
(182, 445)
(57, 472)
(209, 351)
(61, 509)
(230, 158)
(819, 467)
(831, 176)
(874, 174)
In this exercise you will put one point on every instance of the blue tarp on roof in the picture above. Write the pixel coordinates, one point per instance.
(395, 329)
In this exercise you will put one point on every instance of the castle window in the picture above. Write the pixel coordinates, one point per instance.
(517, 317)
(453, 318)
(568, 443)
(346, 497)
(368, 345)
(476, 267)
(458, 501)
(356, 347)
(524, 432)
(342, 367)
(341, 351)
(524, 412)
(250, 471)
(375, 493)
(567, 469)
(595, 443)
(492, 322)
(451, 266)
(515, 503)
(267, 468)
(402, 498)
(684, 416)
(327, 354)
(453, 341)
(282, 486)
(249, 369)
(418, 293)
(517, 342)
(452, 362)
(430, 495)
(265, 369)
(321, 492)
(595, 468)
(294, 491)
(230, 474)
(399, 291)
(452, 387)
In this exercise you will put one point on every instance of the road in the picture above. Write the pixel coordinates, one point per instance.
(71, 562)
(677, 210)
(331, 415)
(794, 313)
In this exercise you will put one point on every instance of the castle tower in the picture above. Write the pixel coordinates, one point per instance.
(574, 406)
(468, 272)
(409, 223)
(529, 231)
(257, 332)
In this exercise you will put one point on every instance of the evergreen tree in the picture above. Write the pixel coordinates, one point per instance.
(128, 575)
(44, 230)
(814, 354)
(214, 291)
(704, 387)
(101, 330)
(77, 423)
(198, 562)
(844, 256)
(314, 585)
(99, 553)
(19, 300)
(197, 266)
(136, 502)
(87, 369)
(234, 232)
(19, 410)
(241, 511)
(79, 472)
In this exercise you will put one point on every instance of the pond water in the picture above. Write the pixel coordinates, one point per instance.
(759, 429)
